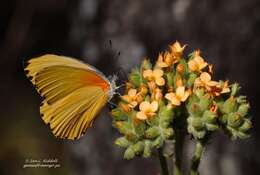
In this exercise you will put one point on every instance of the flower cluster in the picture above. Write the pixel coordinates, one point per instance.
(176, 89)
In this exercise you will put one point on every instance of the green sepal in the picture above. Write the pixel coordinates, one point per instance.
(191, 79)
(234, 89)
(135, 78)
(118, 114)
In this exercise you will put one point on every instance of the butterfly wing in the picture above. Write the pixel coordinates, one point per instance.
(73, 93)
(71, 116)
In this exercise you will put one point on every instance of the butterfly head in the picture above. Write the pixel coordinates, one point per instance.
(113, 87)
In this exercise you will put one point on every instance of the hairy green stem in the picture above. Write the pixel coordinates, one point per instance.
(163, 163)
(196, 159)
(178, 149)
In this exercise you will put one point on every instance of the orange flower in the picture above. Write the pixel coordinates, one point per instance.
(180, 96)
(147, 110)
(205, 81)
(131, 98)
(154, 75)
(197, 63)
(166, 60)
(177, 49)
(214, 88)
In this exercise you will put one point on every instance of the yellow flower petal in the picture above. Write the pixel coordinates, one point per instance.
(147, 73)
(154, 106)
(212, 83)
(180, 91)
(192, 65)
(132, 92)
(160, 81)
(133, 104)
(161, 64)
(185, 96)
(158, 73)
(144, 106)
(205, 77)
(173, 99)
(200, 62)
(141, 116)
(225, 90)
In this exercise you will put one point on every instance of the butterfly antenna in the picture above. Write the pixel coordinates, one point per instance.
(112, 105)
(115, 52)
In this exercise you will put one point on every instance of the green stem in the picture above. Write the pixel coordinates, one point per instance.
(163, 163)
(178, 149)
(196, 159)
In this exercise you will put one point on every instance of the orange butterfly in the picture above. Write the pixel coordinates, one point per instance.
(74, 93)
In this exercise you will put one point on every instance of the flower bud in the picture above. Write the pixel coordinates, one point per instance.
(180, 68)
(241, 99)
(245, 126)
(234, 89)
(129, 153)
(195, 109)
(168, 132)
(229, 105)
(209, 116)
(122, 142)
(234, 120)
(146, 64)
(138, 147)
(243, 109)
(197, 123)
(147, 149)
(205, 102)
(157, 94)
(152, 132)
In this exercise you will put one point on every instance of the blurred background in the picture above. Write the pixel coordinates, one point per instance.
(226, 31)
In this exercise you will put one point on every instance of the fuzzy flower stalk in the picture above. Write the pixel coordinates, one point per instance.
(174, 98)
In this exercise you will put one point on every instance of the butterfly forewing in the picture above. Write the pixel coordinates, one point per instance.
(73, 93)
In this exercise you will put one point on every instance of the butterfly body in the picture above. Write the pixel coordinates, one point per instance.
(73, 92)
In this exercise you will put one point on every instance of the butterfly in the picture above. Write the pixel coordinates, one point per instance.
(73, 93)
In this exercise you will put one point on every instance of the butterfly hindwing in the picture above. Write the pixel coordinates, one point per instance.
(70, 117)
